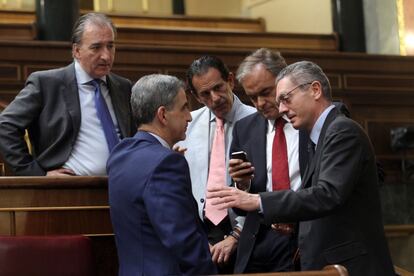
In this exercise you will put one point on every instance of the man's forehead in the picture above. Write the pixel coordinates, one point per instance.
(96, 30)
(283, 84)
(208, 79)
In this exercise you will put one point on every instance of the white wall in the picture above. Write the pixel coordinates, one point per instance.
(220, 8)
(381, 27)
(292, 16)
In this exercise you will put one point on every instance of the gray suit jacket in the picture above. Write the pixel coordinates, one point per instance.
(338, 205)
(48, 107)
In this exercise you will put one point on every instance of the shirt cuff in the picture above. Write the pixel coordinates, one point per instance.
(246, 189)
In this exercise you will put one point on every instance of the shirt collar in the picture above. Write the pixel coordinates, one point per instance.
(271, 123)
(82, 77)
(162, 141)
(316, 130)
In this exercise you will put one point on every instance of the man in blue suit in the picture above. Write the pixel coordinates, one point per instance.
(153, 212)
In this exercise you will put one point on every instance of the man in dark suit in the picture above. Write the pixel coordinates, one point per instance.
(263, 248)
(153, 212)
(338, 205)
(57, 107)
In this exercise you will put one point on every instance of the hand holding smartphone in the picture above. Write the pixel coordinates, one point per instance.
(239, 155)
(239, 172)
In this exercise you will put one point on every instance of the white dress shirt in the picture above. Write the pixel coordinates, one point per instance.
(292, 142)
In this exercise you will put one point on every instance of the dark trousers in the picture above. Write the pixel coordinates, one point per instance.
(272, 252)
(216, 234)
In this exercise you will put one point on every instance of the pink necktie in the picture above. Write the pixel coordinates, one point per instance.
(280, 168)
(217, 172)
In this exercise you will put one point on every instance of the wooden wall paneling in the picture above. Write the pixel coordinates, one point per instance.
(212, 39)
(9, 72)
(354, 62)
(17, 31)
(335, 80)
(379, 130)
(192, 22)
(30, 68)
(370, 82)
(14, 16)
(374, 87)
(174, 21)
(134, 74)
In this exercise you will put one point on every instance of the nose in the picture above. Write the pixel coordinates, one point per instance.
(260, 102)
(105, 53)
(214, 95)
(282, 108)
(189, 117)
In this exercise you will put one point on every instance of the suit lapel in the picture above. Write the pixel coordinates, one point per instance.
(120, 105)
(71, 96)
(258, 153)
(307, 179)
(303, 151)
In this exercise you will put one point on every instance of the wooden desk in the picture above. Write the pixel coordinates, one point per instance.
(59, 205)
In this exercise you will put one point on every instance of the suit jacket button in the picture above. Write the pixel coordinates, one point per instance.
(202, 200)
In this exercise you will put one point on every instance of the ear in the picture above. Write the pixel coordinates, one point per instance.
(316, 90)
(230, 80)
(75, 50)
(161, 115)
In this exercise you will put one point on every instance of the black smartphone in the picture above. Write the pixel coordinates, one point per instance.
(239, 155)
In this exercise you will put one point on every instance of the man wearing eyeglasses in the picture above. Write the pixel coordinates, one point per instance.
(338, 204)
(265, 247)
(207, 143)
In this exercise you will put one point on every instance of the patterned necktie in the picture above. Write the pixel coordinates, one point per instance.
(217, 172)
(280, 167)
(104, 116)
(311, 150)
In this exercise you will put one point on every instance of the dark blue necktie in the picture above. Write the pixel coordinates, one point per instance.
(311, 150)
(104, 116)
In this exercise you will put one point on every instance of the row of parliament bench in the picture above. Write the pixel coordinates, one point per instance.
(377, 89)
(72, 206)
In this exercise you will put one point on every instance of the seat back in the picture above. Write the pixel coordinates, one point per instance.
(46, 255)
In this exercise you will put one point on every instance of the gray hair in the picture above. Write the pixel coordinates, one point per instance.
(98, 19)
(273, 62)
(304, 72)
(151, 92)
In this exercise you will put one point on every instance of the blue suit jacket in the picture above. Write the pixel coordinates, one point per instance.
(153, 213)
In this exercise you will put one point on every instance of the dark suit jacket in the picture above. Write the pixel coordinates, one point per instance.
(48, 107)
(153, 212)
(249, 135)
(338, 205)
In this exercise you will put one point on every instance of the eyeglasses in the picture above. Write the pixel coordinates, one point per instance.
(284, 98)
